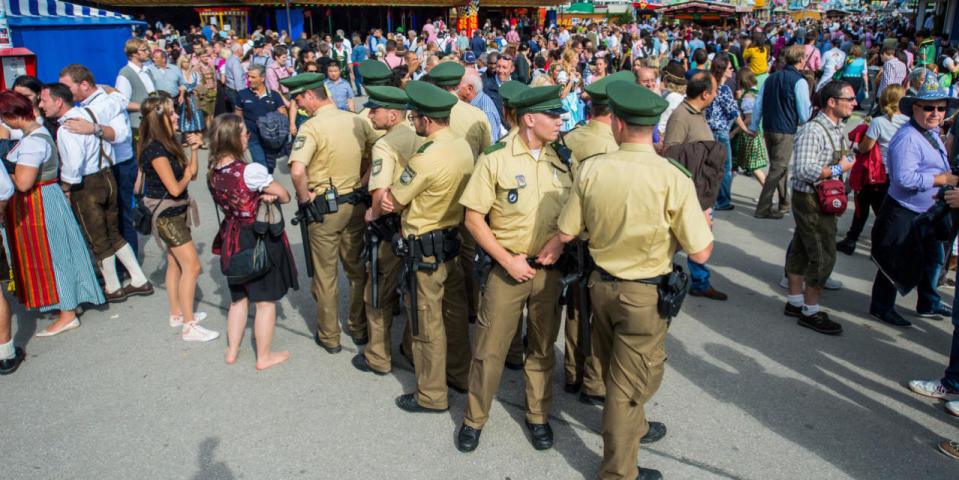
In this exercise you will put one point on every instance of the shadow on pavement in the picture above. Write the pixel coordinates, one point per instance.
(209, 468)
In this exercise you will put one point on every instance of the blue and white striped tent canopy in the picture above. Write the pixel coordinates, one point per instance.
(61, 33)
(54, 8)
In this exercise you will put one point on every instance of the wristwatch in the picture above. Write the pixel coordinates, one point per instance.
(98, 130)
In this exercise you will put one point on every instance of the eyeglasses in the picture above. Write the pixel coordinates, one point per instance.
(846, 99)
(413, 116)
(933, 108)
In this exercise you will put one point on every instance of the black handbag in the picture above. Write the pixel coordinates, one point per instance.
(142, 216)
(248, 264)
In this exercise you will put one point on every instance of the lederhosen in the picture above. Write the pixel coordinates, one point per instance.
(94, 203)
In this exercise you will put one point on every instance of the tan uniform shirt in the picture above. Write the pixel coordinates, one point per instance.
(469, 122)
(522, 195)
(686, 125)
(432, 182)
(391, 154)
(331, 145)
(590, 140)
(637, 206)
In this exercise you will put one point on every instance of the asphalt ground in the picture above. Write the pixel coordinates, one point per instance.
(747, 393)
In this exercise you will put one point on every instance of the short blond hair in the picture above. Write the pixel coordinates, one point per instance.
(132, 47)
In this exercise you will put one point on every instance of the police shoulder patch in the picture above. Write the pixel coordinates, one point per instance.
(377, 165)
(494, 147)
(298, 143)
(680, 167)
(408, 175)
(423, 147)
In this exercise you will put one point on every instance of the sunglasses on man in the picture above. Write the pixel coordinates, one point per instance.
(933, 108)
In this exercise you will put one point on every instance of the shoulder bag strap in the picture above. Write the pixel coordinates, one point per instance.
(829, 137)
(102, 154)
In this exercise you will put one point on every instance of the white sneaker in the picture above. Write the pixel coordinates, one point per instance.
(177, 320)
(832, 284)
(953, 407)
(934, 389)
(195, 333)
(784, 282)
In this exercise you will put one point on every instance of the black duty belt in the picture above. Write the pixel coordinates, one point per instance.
(607, 277)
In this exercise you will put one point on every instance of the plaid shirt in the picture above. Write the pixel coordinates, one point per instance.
(813, 149)
(893, 73)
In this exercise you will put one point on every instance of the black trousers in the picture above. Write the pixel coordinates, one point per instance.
(870, 197)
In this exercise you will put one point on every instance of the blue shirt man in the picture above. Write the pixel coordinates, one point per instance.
(167, 77)
(340, 92)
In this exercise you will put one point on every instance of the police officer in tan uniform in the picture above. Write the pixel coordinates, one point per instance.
(521, 184)
(587, 141)
(426, 192)
(469, 122)
(637, 207)
(325, 165)
(507, 91)
(374, 73)
(391, 153)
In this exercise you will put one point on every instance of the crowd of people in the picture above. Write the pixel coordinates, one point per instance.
(484, 168)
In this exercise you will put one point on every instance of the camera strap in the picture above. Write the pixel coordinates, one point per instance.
(932, 141)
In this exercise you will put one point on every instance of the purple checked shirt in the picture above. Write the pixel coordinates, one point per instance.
(913, 162)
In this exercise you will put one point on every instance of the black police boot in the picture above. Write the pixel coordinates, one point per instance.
(359, 362)
(656, 433)
(330, 350)
(592, 399)
(467, 439)
(408, 402)
(649, 474)
(11, 365)
(541, 435)
(846, 245)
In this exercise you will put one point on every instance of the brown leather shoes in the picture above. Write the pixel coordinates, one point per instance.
(118, 296)
(710, 293)
(145, 289)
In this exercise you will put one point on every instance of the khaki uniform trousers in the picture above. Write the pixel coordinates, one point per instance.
(500, 312)
(339, 235)
(630, 337)
(441, 351)
(465, 260)
(579, 367)
(380, 320)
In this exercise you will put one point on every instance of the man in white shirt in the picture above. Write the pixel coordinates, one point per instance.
(113, 125)
(832, 61)
(92, 191)
(134, 80)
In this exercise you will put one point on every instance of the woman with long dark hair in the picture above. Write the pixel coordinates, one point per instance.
(238, 188)
(165, 173)
(53, 269)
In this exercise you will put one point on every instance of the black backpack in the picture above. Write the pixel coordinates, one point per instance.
(274, 129)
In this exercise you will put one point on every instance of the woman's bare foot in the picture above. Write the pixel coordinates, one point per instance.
(231, 355)
(271, 359)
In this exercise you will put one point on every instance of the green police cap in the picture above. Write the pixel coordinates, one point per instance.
(303, 82)
(539, 100)
(382, 96)
(446, 74)
(429, 100)
(635, 104)
(597, 89)
(374, 72)
(510, 89)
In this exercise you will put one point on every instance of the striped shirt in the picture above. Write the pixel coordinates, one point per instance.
(893, 73)
(813, 149)
(484, 103)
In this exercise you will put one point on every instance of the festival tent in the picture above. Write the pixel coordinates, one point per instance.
(61, 33)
